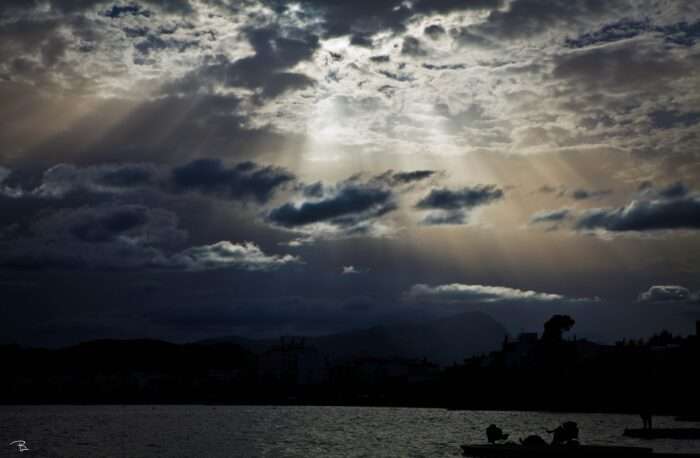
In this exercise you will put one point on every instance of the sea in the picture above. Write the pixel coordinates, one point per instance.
(288, 431)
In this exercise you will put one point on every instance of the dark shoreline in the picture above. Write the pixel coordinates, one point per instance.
(547, 374)
(340, 405)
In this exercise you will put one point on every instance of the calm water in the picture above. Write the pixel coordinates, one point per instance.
(225, 431)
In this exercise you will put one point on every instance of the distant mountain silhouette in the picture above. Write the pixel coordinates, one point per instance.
(384, 365)
(443, 341)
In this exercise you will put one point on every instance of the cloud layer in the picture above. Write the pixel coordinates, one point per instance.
(669, 294)
(242, 155)
(640, 216)
(480, 294)
(453, 206)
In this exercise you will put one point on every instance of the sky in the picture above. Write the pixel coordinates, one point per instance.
(194, 168)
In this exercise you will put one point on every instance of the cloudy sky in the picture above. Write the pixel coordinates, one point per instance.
(190, 168)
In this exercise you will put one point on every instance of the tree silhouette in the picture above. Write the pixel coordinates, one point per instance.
(555, 327)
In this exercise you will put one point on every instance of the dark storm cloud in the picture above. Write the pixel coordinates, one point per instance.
(242, 181)
(468, 197)
(447, 218)
(169, 6)
(246, 180)
(401, 77)
(413, 47)
(448, 6)
(117, 236)
(619, 68)
(313, 190)
(107, 236)
(80, 219)
(434, 31)
(416, 175)
(106, 227)
(644, 215)
(682, 33)
(276, 51)
(66, 181)
(17, 5)
(27, 36)
(392, 178)
(380, 59)
(444, 67)
(526, 18)
(550, 216)
(279, 83)
(123, 217)
(111, 217)
(134, 10)
(63, 178)
(153, 43)
(348, 205)
(128, 175)
(80, 200)
(363, 41)
(584, 194)
(453, 206)
(669, 293)
(115, 10)
(121, 256)
(668, 119)
(23, 206)
(674, 190)
(359, 18)
(615, 31)
(110, 223)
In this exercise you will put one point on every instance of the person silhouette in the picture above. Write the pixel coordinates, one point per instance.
(494, 434)
(565, 434)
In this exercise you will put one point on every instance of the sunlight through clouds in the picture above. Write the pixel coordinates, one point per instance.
(440, 148)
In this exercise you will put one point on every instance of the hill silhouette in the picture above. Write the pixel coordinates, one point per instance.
(443, 341)
(384, 365)
(329, 369)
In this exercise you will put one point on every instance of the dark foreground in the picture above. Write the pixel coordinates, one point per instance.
(565, 377)
(590, 451)
(532, 372)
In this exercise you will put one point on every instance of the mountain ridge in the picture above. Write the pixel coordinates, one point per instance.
(444, 340)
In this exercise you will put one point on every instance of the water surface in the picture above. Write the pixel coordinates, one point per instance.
(268, 431)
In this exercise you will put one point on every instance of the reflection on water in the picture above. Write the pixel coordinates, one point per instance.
(251, 431)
